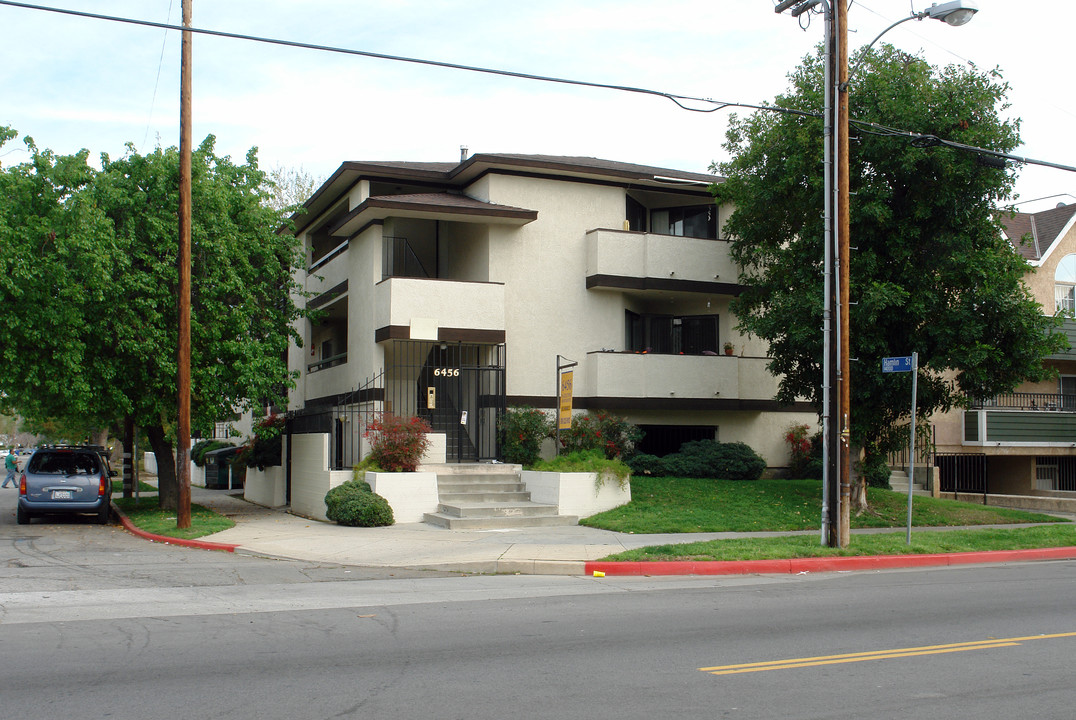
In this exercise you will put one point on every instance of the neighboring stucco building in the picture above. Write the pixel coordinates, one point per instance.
(1024, 442)
(452, 290)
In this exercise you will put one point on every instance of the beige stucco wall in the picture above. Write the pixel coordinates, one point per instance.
(1041, 279)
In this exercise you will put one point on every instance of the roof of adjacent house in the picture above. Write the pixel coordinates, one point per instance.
(448, 176)
(1034, 235)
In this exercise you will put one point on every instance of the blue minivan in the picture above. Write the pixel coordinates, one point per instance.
(66, 479)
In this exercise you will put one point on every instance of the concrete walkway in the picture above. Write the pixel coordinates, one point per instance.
(554, 550)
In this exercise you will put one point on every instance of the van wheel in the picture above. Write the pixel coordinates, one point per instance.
(21, 516)
(104, 514)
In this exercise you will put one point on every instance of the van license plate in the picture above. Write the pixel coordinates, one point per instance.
(63, 494)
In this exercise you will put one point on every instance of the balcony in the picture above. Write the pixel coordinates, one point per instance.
(728, 379)
(1019, 428)
(329, 272)
(1028, 401)
(474, 307)
(645, 261)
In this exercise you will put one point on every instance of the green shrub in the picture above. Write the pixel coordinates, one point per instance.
(643, 464)
(875, 470)
(611, 434)
(521, 432)
(203, 447)
(712, 459)
(354, 504)
(588, 461)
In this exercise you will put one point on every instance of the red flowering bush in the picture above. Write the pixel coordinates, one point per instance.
(804, 451)
(398, 444)
(613, 435)
(522, 431)
(265, 448)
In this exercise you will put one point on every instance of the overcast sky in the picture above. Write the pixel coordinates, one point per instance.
(73, 82)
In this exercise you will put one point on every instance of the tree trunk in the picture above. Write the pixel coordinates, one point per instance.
(167, 488)
(99, 437)
(859, 483)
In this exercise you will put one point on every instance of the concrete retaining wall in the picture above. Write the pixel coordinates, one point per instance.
(576, 493)
(311, 477)
(1020, 502)
(410, 494)
(266, 487)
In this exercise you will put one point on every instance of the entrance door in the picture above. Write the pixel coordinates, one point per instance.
(461, 393)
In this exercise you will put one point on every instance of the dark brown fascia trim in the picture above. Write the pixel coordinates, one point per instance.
(621, 282)
(558, 168)
(373, 223)
(328, 296)
(625, 404)
(627, 184)
(377, 172)
(386, 203)
(467, 335)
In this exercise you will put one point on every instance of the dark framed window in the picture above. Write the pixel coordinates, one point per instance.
(671, 334)
(699, 221)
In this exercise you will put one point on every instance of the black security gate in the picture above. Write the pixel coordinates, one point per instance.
(458, 388)
(962, 472)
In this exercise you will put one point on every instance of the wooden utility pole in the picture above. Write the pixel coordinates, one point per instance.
(183, 380)
(843, 228)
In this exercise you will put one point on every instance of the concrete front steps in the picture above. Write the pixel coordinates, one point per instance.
(488, 497)
(898, 480)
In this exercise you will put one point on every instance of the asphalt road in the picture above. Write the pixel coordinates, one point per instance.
(92, 626)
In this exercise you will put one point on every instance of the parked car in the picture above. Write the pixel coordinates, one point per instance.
(66, 479)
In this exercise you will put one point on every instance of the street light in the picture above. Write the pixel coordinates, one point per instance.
(954, 13)
(837, 426)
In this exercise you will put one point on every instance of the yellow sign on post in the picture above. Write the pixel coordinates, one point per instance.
(564, 420)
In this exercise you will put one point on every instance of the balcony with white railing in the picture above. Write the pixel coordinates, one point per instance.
(615, 258)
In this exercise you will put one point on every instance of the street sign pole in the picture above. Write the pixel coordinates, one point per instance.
(911, 445)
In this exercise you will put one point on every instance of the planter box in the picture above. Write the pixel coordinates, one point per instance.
(266, 487)
(576, 493)
(409, 494)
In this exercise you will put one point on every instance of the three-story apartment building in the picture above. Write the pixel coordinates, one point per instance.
(453, 290)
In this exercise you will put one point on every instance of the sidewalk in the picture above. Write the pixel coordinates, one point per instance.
(571, 550)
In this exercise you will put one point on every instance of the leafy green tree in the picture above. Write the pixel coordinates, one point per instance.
(930, 271)
(89, 270)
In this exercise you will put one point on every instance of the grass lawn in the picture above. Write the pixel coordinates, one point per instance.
(117, 487)
(145, 515)
(685, 505)
(801, 546)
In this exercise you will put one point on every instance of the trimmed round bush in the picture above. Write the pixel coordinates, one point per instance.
(643, 464)
(712, 459)
(354, 504)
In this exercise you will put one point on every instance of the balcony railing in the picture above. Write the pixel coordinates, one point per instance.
(399, 259)
(1047, 402)
(327, 363)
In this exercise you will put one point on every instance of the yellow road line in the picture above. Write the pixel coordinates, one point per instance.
(876, 655)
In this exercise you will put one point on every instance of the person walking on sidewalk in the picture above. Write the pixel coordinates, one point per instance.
(12, 466)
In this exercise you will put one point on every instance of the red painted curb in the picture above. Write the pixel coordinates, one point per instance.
(823, 564)
(200, 544)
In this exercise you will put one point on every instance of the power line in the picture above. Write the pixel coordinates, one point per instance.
(680, 100)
